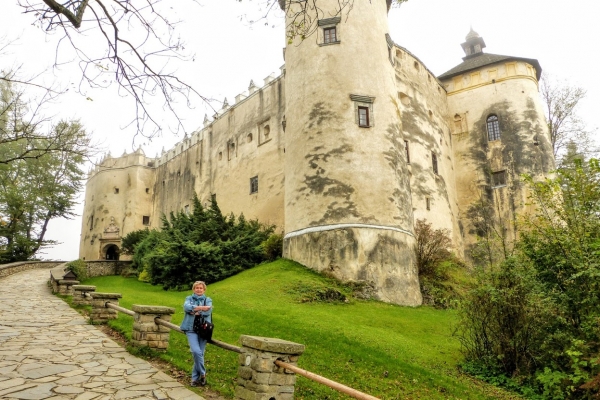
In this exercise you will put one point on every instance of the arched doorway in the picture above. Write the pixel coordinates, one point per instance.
(112, 252)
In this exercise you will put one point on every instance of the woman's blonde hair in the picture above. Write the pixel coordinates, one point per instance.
(198, 283)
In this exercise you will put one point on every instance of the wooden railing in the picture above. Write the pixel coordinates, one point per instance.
(290, 367)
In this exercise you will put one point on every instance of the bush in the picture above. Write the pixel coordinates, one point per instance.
(79, 268)
(204, 245)
(431, 248)
(273, 247)
(132, 239)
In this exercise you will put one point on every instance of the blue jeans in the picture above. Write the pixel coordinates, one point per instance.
(197, 347)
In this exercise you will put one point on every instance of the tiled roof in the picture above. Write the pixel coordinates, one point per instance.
(484, 59)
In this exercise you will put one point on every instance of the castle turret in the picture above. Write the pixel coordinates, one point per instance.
(348, 207)
(499, 134)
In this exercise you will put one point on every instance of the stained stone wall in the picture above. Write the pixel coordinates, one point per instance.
(105, 268)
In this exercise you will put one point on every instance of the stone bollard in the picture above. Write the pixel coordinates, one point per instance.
(146, 332)
(79, 292)
(65, 286)
(258, 377)
(100, 314)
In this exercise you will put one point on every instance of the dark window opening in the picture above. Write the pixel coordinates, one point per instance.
(254, 184)
(434, 163)
(330, 35)
(493, 128)
(92, 222)
(428, 203)
(498, 179)
(147, 190)
(363, 116)
(407, 151)
(146, 220)
(116, 190)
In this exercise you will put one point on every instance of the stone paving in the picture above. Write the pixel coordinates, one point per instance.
(48, 351)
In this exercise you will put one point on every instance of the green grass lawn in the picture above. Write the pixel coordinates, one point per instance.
(388, 351)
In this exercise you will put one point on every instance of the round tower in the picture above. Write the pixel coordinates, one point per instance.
(500, 134)
(348, 207)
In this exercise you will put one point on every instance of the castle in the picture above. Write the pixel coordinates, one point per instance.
(344, 151)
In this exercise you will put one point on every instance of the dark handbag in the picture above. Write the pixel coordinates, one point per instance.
(203, 328)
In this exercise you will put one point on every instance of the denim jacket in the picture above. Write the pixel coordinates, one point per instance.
(188, 307)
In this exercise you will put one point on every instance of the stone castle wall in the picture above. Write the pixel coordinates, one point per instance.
(295, 153)
(245, 141)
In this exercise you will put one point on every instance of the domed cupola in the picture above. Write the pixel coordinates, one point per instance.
(474, 45)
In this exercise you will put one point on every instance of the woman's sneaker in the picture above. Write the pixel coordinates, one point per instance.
(203, 381)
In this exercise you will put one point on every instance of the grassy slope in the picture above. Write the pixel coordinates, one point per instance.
(385, 350)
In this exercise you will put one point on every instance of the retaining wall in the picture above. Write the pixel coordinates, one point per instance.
(13, 268)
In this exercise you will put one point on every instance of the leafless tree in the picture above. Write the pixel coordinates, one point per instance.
(28, 131)
(137, 42)
(567, 130)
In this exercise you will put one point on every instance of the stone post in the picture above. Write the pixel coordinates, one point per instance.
(100, 314)
(65, 286)
(258, 377)
(79, 292)
(146, 332)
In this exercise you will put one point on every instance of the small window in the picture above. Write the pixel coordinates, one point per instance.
(146, 220)
(498, 179)
(434, 163)
(92, 222)
(363, 109)
(186, 209)
(147, 190)
(230, 150)
(329, 35)
(116, 190)
(363, 116)
(267, 132)
(254, 184)
(407, 151)
(427, 203)
(329, 31)
(249, 138)
(493, 128)
(220, 155)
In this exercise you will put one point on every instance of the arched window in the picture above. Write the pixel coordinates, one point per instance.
(493, 128)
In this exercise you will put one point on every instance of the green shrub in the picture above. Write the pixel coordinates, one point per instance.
(79, 268)
(203, 245)
(273, 247)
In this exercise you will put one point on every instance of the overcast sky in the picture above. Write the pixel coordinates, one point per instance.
(230, 52)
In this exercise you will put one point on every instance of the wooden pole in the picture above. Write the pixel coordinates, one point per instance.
(327, 382)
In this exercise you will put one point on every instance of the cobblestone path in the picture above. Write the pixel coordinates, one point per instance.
(48, 351)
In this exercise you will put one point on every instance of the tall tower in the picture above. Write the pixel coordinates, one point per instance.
(348, 207)
(500, 133)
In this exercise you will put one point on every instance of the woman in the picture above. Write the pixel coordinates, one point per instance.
(197, 304)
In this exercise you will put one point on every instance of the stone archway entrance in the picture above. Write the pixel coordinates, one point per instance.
(112, 252)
